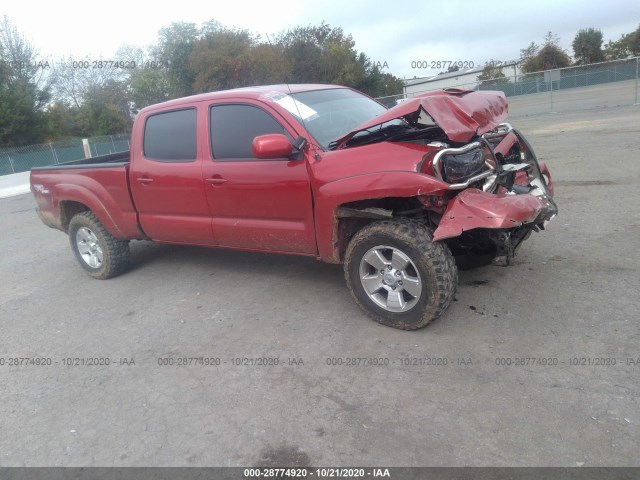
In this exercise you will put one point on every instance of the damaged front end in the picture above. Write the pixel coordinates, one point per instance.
(498, 193)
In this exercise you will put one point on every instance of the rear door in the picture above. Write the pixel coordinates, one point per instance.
(256, 204)
(166, 179)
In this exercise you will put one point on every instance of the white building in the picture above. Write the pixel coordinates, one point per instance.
(467, 79)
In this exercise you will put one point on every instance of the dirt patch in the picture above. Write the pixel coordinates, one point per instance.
(476, 283)
(283, 457)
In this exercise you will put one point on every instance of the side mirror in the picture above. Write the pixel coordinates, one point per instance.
(272, 145)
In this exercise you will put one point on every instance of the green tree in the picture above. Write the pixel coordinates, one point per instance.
(366, 76)
(148, 82)
(322, 54)
(24, 89)
(305, 47)
(219, 60)
(148, 86)
(106, 109)
(174, 48)
(90, 101)
(587, 46)
(267, 64)
(628, 45)
(63, 121)
(550, 56)
(214, 57)
(392, 84)
(492, 74)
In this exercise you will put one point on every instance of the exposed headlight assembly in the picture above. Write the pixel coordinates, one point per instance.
(461, 166)
(458, 167)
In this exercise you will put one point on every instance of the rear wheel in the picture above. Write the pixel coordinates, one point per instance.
(99, 253)
(398, 275)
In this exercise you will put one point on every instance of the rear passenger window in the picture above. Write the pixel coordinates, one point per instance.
(171, 136)
(233, 128)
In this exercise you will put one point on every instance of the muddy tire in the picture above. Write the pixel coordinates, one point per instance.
(398, 276)
(98, 252)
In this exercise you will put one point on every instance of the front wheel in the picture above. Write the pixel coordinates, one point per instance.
(398, 275)
(100, 253)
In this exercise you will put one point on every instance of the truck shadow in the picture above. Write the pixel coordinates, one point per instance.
(216, 261)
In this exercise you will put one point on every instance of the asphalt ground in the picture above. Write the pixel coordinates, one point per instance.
(537, 364)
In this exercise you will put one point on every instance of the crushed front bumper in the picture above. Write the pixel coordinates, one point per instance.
(508, 215)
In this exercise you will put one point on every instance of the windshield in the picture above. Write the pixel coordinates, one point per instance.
(331, 114)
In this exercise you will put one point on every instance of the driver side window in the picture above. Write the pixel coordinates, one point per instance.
(233, 128)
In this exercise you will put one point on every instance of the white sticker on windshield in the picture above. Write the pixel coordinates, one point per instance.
(292, 105)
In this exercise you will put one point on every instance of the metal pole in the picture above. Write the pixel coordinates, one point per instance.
(86, 148)
(636, 99)
(53, 154)
(114, 145)
(551, 94)
(13, 168)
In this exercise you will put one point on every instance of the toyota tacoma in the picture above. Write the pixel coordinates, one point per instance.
(395, 195)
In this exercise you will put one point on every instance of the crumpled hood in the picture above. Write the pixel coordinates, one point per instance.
(461, 114)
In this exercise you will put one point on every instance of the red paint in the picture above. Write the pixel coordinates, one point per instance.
(105, 191)
(272, 145)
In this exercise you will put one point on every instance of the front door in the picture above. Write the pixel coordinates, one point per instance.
(256, 204)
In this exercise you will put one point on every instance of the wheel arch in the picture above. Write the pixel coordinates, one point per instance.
(351, 217)
(378, 189)
(71, 199)
(68, 210)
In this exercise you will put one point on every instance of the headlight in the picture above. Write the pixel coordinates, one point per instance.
(458, 167)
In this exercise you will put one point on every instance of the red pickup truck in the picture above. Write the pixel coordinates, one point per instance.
(319, 170)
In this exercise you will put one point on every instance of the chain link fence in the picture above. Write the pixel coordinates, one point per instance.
(22, 159)
(602, 84)
(566, 89)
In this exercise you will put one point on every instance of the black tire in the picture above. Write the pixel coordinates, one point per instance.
(430, 276)
(103, 256)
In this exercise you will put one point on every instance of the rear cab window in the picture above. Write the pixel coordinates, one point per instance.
(171, 136)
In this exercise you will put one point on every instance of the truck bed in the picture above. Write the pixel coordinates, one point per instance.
(99, 184)
(111, 160)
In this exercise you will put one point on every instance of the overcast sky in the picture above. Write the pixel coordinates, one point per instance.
(397, 33)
